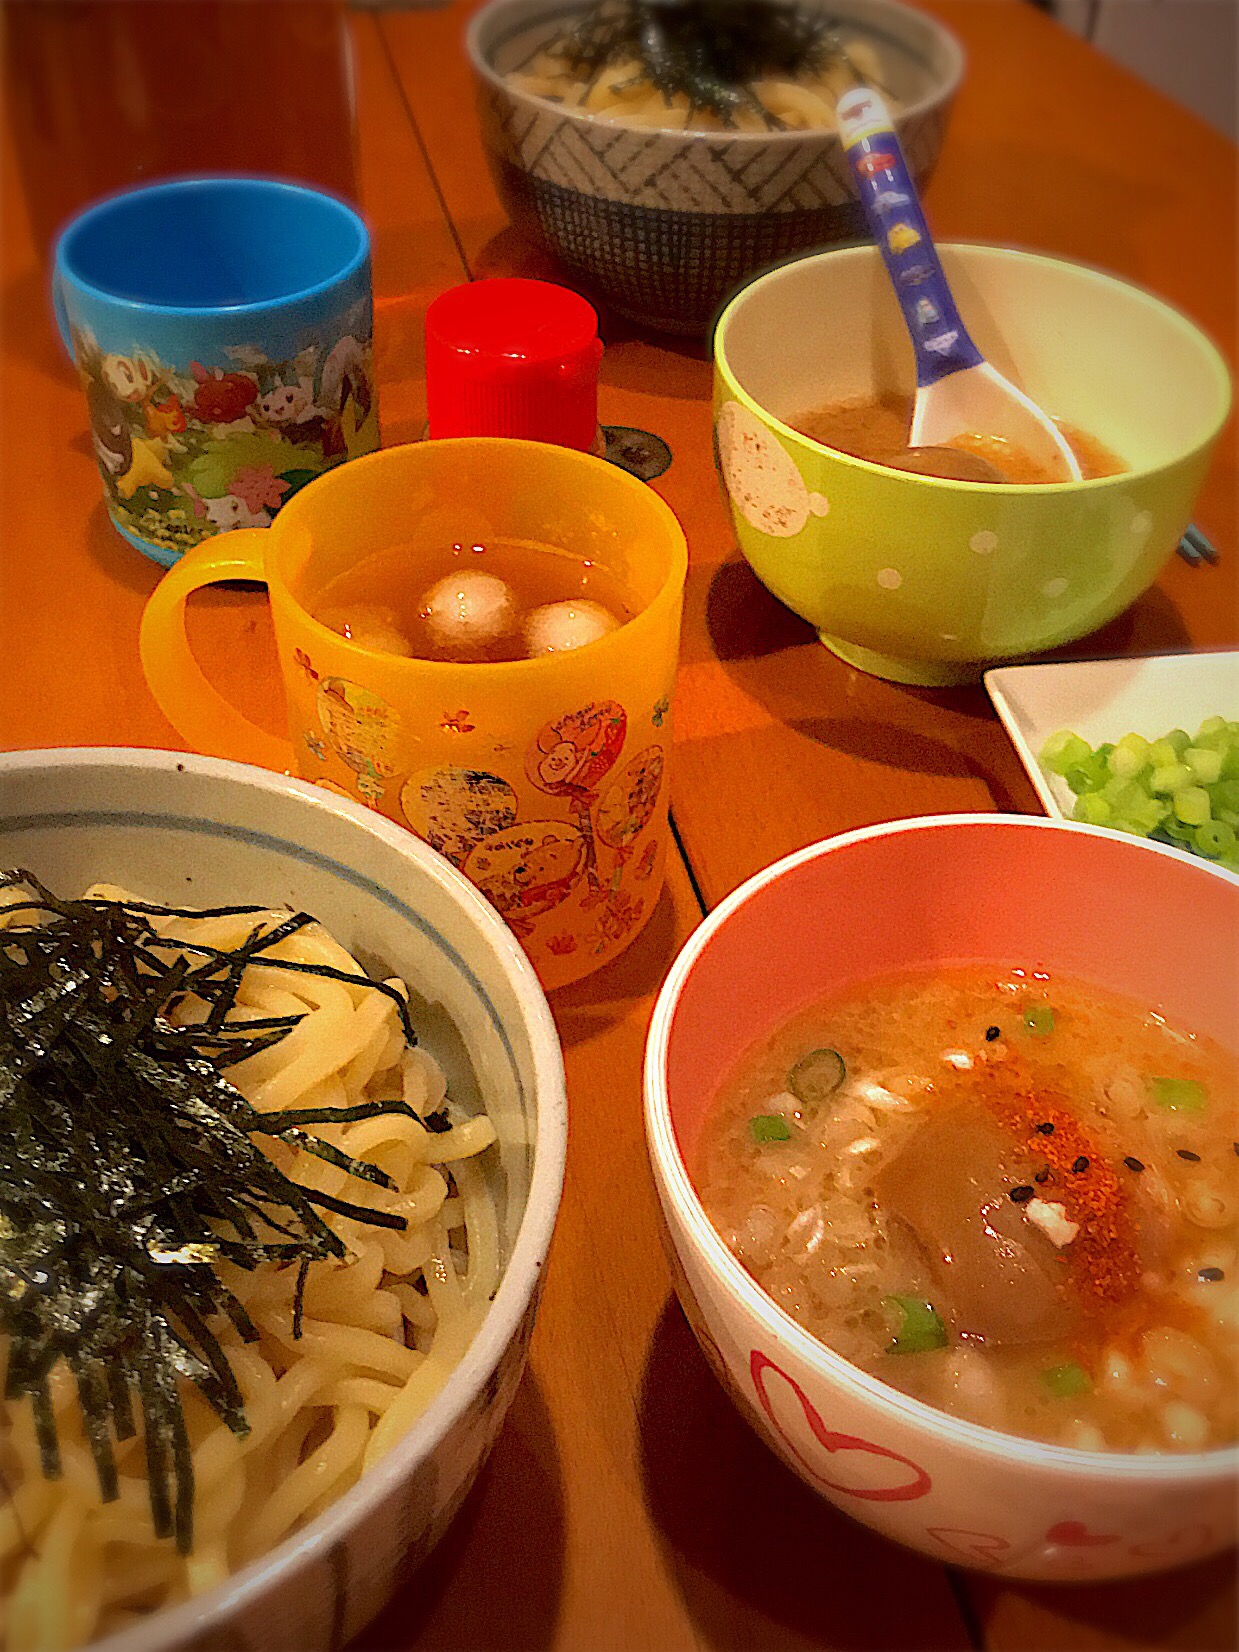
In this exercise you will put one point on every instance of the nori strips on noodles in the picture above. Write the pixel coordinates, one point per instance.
(709, 51)
(129, 1162)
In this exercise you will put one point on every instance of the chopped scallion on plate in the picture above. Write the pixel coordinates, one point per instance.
(1177, 789)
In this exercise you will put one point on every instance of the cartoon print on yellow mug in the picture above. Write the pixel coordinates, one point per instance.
(528, 869)
(363, 730)
(455, 808)
(628, 805)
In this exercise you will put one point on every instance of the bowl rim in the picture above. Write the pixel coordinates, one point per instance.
(862, 247)
(519, 1282)
(941, 97)
(677, 1188)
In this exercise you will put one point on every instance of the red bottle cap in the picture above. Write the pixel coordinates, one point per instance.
(511, 357)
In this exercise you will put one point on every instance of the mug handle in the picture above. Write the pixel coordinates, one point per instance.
(195, 709)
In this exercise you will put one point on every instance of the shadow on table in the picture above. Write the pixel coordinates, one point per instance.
(121, 562)
(1192, 1608)
(776, 660)
(28, 331)
(759, 1559)
(589, 1007)
(494, 1580)
(746, 622)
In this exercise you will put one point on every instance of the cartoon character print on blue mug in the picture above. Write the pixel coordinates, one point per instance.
(222, 332)
(191, 450)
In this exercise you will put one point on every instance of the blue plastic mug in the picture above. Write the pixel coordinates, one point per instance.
(222, 330)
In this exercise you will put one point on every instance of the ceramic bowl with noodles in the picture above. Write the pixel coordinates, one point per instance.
(193, 832)
(662, 222)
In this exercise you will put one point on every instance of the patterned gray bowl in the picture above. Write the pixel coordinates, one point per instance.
(664, 225)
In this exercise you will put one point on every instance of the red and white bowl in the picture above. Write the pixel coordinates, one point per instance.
(1117, 912)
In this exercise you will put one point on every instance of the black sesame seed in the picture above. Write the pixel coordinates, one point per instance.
(991, 1033)
(1042, 1176)
(1186, 1153)
(1046, 1129)
(1210, 1275)
(1133, 1164)
(1021, 1195)
(1080, 1165)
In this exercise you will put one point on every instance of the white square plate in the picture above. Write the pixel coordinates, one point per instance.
(1105, 699)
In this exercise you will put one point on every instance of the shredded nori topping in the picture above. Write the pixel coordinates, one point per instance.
(129, 1164)
(712, 51)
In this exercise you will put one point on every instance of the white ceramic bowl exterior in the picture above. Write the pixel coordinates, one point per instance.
(198, 831)
(961, 1493)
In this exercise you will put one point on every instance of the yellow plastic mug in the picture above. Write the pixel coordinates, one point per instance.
(545, 780)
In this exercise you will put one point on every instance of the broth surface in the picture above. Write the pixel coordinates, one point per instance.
(382, 601)
(1019, 1205)
(877, 430)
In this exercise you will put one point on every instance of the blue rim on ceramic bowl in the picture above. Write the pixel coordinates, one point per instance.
(119, 790)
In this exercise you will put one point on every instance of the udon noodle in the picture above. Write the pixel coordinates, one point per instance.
(623, 94)
(381, 1330)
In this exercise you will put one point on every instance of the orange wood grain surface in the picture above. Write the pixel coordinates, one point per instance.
(627, 1505)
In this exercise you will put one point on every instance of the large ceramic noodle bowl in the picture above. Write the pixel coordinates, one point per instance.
(1004, 1331)
(370, 1406)
(926, 580)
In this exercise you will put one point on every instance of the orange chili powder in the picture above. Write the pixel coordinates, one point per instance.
(1103, 1259)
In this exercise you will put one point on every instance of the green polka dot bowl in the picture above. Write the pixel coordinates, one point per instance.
(931, 581)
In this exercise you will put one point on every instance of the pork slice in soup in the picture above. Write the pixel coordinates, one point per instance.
(1012, 1197)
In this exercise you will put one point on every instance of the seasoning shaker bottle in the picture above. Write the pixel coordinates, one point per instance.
(509, 356)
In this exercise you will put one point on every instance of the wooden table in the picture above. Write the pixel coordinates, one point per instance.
(627, 1505)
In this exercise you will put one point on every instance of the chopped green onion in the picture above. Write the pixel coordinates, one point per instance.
(1170, 779)
(1166, 789)
(1092, 809)
(1039, 1019)
(1214, 839)
(1063, 751)
(1066, 1381)
(769, 1127)
(1192, 805)
(920, 1327)
(1179, 1095)
(1130, 757)
(816, 1076)
(1206, 765)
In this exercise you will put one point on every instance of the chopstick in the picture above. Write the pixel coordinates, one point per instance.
(1194, 548)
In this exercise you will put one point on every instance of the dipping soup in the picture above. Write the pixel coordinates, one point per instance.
(1011, 1196)
(878, 430)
